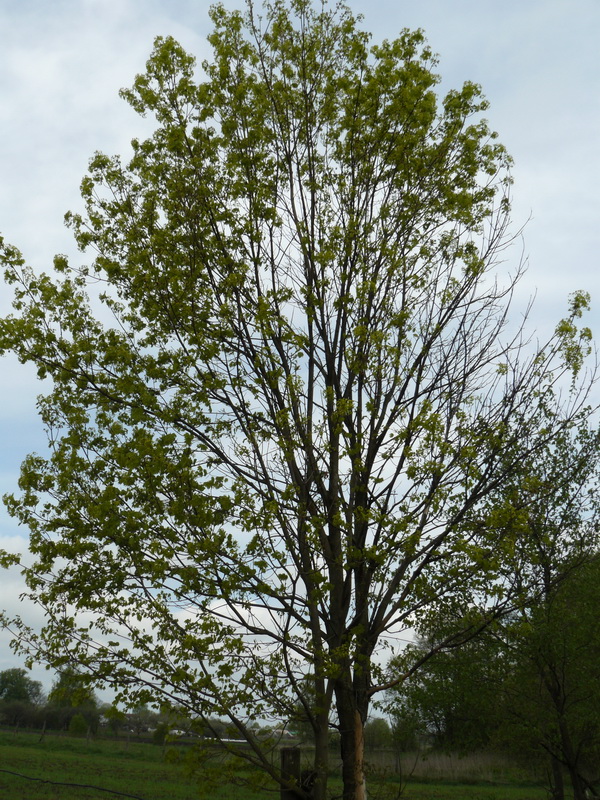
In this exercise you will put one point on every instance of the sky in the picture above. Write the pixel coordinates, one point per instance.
(62, 65)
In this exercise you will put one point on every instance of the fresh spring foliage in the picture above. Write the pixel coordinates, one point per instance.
(284, 437)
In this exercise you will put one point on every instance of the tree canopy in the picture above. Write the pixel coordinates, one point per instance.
(70, 690)
(16, 685)
(284, 434)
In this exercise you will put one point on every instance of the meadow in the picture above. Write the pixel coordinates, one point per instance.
(66, 768)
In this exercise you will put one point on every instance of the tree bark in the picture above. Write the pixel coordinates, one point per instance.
(353, 775)
(571, 761)
(558, 784)
(321, 763)
(352, 712)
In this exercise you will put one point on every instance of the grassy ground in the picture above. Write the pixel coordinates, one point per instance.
(142, 772)
(462, 792)
(137, 770)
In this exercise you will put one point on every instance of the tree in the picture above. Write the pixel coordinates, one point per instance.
(70, 697)
(552, 640)
(529, 686)
(71, 690)
(453, 699)
(553, 690)
(113, 717)
(16, 685)
(141, 718)
(281, 448)
(378, 733)
(531, 683)
(20, 697)
(78, 725)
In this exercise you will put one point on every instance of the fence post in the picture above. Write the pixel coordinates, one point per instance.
(290, 770)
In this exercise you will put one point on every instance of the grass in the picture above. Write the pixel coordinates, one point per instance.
(142, 771)
(468, 792)
(137, 769)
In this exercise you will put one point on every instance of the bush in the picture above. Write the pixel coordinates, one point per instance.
(78, 725)
(160, 733)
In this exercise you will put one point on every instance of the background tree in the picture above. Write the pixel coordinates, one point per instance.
(141, 718)
(530, 684)
(113, 717)
(78, 725)
(285, 445)
(553, 691)
(69, 697)
(16, 685)
(21, 698)
(71, 689)
(378, 733)
(554, 640)
(453, 698)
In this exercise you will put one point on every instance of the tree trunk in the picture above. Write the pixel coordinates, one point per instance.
(353, 774)
(577, 784)
(352, 720)
(557, 781)
(571, 761)
(321, 762)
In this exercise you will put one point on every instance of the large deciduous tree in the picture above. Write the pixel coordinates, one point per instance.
(283, 445)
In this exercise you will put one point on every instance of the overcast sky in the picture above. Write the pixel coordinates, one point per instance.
(63, 62)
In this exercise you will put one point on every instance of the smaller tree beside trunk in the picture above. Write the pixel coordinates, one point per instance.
(530, 683)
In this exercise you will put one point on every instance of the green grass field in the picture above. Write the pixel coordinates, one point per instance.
(142, 771)
(462, 792)
(139, 770)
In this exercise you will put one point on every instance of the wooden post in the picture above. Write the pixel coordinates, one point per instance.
(290, 770)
